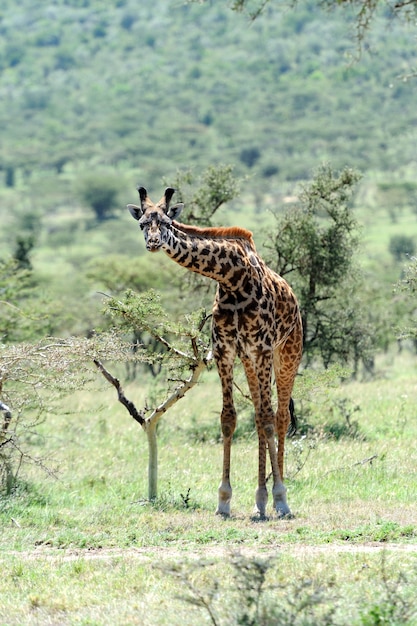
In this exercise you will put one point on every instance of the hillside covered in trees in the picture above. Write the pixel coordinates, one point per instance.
(156, 86)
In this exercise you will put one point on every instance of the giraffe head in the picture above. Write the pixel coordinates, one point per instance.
(155, 219)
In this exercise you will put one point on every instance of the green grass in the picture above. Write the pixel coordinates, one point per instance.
(85, 547)
(128, 587)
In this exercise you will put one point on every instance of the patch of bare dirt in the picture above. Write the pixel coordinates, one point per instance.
(155, 553)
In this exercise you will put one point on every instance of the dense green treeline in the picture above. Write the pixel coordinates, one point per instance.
(158, 86)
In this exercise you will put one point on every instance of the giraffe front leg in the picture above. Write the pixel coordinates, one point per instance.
(228, 422)
(258, 373)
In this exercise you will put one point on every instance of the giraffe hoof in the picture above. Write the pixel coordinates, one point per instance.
(224, 498)
(283, 511)
(223, 510)
(258, 516)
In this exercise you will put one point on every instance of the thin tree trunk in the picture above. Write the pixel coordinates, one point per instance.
(152, 460)
(149, 424)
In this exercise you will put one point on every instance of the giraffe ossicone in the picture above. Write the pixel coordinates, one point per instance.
(255, 317)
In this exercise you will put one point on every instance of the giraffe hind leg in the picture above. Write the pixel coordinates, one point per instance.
(258, 373)
(286, 361)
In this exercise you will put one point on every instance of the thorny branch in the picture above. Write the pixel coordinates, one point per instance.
(369, 460)
(178, 393)
(196, 364)
(137, 415)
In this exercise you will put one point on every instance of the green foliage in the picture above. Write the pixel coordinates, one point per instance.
(397, 193)
(10, 177)
(407, 287)
(341, 423)
(16, 288)
(314, 247)
(204, 195)
(318, 238)
(254, 598)
(250, 156)
(365, 12)
(26, 312)
(144, 312)
(382, 531)
(24, 245)
(409, 282)
(99, 191)
(292, 104)
(33, 377)
(394, 607)
(117, 274)
(401, 246)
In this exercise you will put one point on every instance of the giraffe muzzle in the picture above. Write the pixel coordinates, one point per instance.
(153, 244)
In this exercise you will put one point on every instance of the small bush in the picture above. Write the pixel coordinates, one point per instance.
(99, 191)
(254, 597)
(250, 156)
(401, 247)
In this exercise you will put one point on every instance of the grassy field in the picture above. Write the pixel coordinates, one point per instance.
(85, 547)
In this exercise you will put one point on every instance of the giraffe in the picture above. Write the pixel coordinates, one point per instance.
(255, 318)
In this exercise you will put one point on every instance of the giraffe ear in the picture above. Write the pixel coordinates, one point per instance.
(135, 211)
(175, 210)
(143, 194)
(169, 192)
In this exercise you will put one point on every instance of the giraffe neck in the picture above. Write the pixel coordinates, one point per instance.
(224, 255)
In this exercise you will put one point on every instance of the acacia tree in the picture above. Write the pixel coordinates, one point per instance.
(99, 191)
(34, 377)
(407, 286)
(314, 247)
(183, 357)
(204, 196)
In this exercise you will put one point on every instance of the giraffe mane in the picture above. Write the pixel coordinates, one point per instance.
(223, 232)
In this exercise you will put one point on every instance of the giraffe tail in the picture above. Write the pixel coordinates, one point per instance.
(292, 428)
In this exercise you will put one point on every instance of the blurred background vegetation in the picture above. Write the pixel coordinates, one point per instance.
(96, 97)
(240, 115)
